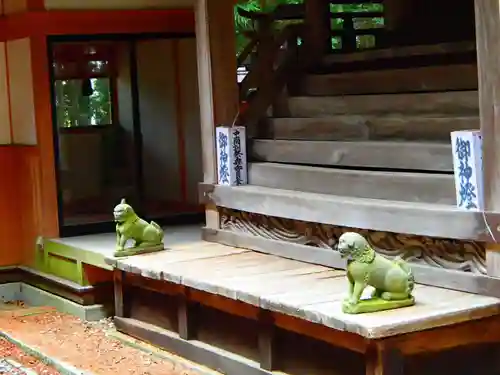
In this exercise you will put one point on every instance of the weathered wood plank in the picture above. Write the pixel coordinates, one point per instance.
(434, 78)
(404, 51)
(424, 219)
(424, 274)
(423, 156)
(174, 270)
(435, 307)
(290, 250)
(233, 268)
(147, 266)
(249, 289)
(401, 186)
(323, 291)
(446, 102)
(204, 354)
(373, 127)
(317, 298)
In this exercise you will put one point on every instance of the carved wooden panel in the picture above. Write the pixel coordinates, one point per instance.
(467, 256)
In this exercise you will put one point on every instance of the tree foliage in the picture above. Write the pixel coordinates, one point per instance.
(75, 109)
(242, 24)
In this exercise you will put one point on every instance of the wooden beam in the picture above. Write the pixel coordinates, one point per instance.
(374, 127)
(391, 155)
(398, 186)
(488, 57)
(434, 220)
(120, 21)
(217, 81)
(473, 332)
(433, 78)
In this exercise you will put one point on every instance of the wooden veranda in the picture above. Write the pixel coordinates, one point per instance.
(315, 173)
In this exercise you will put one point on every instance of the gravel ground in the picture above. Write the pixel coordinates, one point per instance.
(30, 365)
(83, 345)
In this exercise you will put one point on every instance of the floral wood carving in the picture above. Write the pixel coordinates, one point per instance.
(467, 256)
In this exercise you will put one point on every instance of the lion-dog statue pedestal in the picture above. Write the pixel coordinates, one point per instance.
(392, 280)
(147, 237)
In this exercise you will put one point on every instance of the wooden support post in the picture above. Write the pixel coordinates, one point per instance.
(217, 81)
(317, 38)
(266, 340)
(488, 62)
(381, 360)
(396, 13)
(118, 281)
(187, 316)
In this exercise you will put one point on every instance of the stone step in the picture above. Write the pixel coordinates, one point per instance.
(426, 127)
(400, 186)
(446, 102)
(419, 156)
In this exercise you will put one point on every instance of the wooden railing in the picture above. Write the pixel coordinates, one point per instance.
(273, 51)
(274, 55)
(349, 31)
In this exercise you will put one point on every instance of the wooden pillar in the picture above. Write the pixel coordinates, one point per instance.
(267, 341)
(488, 61)
(218, 88)
(48, 217)
(317, 38)
(187, 317)
(118, 281)
(396, 13)
(381, 360)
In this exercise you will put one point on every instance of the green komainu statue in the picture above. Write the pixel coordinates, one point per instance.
(392, 280)
(147, 237)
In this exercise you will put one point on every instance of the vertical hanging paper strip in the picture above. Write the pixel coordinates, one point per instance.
(468, 169)
(231, 155)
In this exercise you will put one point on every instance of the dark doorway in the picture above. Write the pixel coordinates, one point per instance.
(112, 115)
